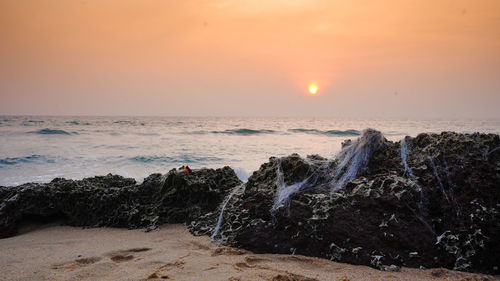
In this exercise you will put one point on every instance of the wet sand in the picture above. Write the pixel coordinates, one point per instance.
(171, 253)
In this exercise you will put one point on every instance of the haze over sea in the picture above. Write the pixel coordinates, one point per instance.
(40, 148)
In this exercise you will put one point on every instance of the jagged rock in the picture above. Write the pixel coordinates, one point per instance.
(446, 214)
(112, 200)
(439, 207)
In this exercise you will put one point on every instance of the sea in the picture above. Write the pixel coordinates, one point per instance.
(41, 148)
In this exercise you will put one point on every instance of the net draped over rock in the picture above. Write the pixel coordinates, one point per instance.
(437, 207)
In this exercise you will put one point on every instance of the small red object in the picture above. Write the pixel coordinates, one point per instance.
(187, 169)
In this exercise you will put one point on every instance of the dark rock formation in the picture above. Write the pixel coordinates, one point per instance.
(112, 200)
(428, 201)
(439, 210)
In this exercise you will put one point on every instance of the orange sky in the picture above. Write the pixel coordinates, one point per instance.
(389, 58)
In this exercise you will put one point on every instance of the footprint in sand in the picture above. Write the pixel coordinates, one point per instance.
(155, 276)
(76, 263)
(279, 275)
(160, 273)
(291, 277)
(137, 250)
(89, 260)
(121, 258)
(125, 255)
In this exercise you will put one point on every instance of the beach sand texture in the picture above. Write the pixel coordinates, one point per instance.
(171, 253)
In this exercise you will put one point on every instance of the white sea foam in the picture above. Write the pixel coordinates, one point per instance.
(241, 173)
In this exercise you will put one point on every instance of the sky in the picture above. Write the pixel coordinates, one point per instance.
(368, 58)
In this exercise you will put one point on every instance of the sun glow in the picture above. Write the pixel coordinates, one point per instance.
(313, 89)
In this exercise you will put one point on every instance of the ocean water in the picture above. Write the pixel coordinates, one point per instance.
(40, 148)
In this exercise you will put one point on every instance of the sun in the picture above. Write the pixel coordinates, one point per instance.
(313, 89)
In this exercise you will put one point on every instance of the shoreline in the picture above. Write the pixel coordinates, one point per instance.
(171, 253)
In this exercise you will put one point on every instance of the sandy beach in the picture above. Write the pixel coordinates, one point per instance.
(172, 253)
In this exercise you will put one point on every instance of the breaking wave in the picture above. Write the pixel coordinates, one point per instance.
(241, 173)
(328, 133)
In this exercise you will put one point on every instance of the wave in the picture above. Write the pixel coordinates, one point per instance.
(32, 122)
(182, 159)
(244, 132)
(328, 133)
(78, 123)
(129, 122)
(147, 134)
(150, 159)
(241, 173)
(25, 159)
(48, 131)
(249, 132)
(5, 122)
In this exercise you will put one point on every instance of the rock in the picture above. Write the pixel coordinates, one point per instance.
(116, 201)
(447, 211)
(429, 201)
(394, 268)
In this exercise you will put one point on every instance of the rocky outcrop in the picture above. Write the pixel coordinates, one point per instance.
(112, 200)
(428, 201)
